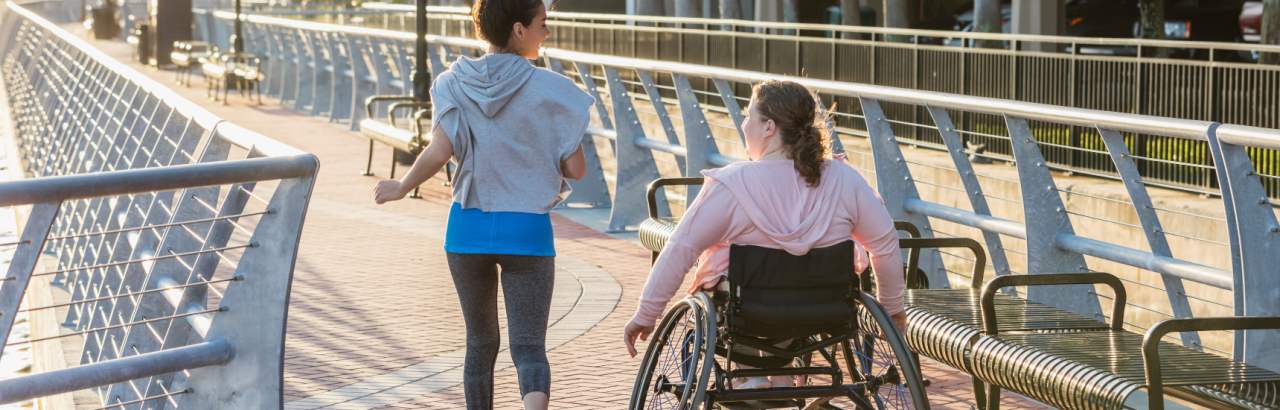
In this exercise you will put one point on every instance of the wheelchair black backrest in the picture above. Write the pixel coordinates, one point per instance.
(774, 294)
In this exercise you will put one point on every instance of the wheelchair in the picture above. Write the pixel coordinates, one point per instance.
(801, 317)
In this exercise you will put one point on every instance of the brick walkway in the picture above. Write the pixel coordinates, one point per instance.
(374, 309)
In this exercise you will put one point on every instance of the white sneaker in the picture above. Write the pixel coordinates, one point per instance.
(760, 382)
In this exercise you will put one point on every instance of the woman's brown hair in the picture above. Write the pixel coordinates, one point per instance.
(801, 125)
(494, 18)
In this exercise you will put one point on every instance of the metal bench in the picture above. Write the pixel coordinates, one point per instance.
(1049, 354)
(187, 55)
(222, 68)
(413, 139)
(1106, 369)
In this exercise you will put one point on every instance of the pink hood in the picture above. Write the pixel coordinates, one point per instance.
(781, 205)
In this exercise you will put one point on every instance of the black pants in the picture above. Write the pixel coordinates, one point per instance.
(527, 283)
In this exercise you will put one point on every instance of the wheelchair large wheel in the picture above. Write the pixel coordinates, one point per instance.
(878, 353)
(679, 359)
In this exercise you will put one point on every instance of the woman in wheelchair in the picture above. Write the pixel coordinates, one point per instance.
(779, 229)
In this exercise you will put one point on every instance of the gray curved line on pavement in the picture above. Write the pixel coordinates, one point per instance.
(576, 312)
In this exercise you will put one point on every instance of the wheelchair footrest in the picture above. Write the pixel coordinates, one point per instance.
(785, 393)
(752, 405)
(786, 371)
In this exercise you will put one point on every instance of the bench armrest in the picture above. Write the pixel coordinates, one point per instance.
(418, 116)
(916, 244)
(391, 110)
(368, 102)
(661, 182)
(1048, 279)
(910, 228)
(1151, 343)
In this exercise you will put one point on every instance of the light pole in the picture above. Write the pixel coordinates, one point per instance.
(237, 39)
(420, 82)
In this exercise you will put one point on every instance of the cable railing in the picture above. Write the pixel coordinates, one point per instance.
(1178, 253)
(161, 237)
(1206, 81)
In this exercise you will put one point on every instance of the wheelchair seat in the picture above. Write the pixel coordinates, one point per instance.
(777, 295)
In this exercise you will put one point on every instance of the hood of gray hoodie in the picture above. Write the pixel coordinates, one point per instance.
(492, 80)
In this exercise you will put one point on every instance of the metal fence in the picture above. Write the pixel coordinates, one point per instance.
(653, 120)
(160, 236)
(1203, 81)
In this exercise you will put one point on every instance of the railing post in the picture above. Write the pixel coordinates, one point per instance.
(361, 87)
(592, 188)
(308, 71)
(289, 62)
(697, 134)
(1151, 226)
(664, 118)
(972, 189)
(731, 104)
(254, 323)
(15, 281)
(893, 180)
(1046, 216)
(635, 165)
(1255, 237)
(340, 95)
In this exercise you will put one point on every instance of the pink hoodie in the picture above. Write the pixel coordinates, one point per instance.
(767, 203)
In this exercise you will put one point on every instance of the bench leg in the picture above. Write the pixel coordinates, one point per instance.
(986, 395)
(415, 194)
(393, 164)
(368, 166)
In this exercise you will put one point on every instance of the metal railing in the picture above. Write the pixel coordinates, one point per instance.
(1204, 81)
(163, 235)
(652, 120)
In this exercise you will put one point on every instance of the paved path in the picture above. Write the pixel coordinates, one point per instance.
(374, 321)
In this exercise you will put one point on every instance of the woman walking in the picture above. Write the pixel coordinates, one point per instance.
(515, 133)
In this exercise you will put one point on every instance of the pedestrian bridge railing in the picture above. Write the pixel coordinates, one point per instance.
(663, 119)
(1207, 81)
(161, 237)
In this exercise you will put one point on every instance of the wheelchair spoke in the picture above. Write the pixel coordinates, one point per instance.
(673, 362)
(879, 366)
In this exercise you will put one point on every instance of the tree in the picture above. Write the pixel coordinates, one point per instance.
(896, 15)
(731, 9)
(850, 15)
(987, 19)
(1270, 30)
(651, 7)
(689, 8)
(1152, 25)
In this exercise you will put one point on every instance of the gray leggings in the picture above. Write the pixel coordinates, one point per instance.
(527, 282)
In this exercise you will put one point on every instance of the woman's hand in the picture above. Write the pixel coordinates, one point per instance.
(632, 331)
(900, 320)
(388, 190)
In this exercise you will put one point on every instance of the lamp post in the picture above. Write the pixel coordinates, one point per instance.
(237, 39)
(420, 79)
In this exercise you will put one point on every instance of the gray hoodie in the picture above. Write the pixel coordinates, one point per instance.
(511, 125)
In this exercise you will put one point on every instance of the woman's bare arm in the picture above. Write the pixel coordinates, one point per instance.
(575, 166)
(427, 165)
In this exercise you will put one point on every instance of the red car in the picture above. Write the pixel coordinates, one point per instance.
(1251, 22)
(1250, 28)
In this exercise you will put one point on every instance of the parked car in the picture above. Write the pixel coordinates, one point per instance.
(1189, 20)
(1250, 29)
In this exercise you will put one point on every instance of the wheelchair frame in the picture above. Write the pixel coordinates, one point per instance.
(699, 362)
